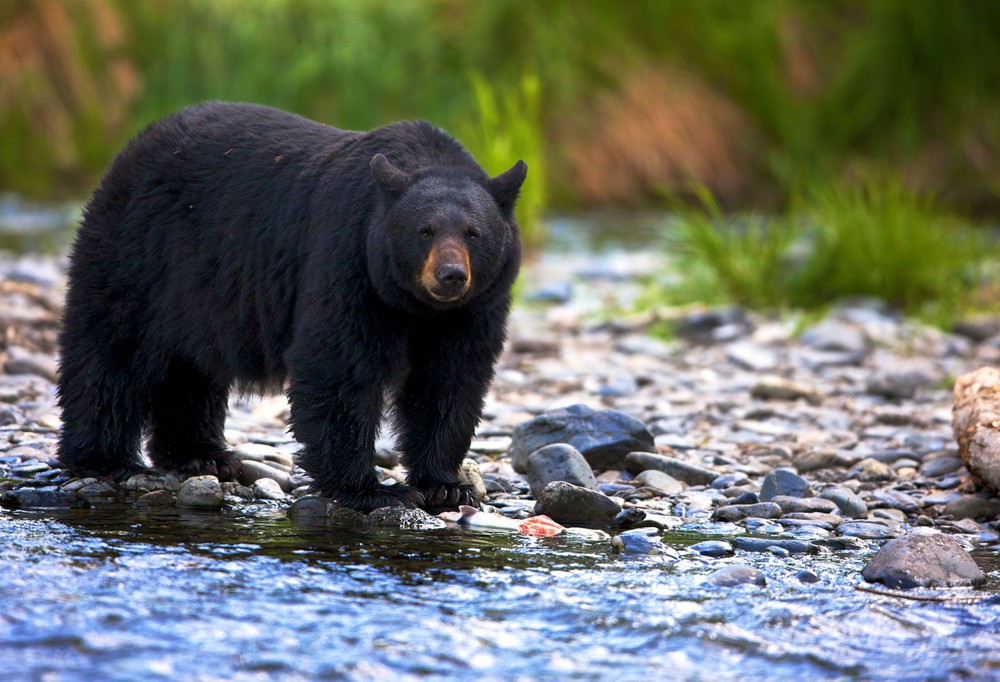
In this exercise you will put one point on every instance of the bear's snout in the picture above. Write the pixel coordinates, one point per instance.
(446, 274)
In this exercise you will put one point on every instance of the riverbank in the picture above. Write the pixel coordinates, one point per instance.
(852, 412)
(782, 453)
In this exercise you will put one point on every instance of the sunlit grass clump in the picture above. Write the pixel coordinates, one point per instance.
(874, 240)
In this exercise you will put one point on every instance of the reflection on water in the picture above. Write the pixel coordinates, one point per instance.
(121, 593)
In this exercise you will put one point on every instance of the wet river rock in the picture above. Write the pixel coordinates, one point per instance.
(923, 561)
(603, 437)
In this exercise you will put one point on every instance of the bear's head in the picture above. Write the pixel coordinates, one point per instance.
(446, 238)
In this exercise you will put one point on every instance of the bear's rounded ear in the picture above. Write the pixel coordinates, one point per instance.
(388, 177)
(505, 187)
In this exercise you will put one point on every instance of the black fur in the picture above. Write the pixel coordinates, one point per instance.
(237, 245)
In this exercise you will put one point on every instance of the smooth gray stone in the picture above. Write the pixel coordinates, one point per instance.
(250, 471)
(603, 437)
(310, 506)
(806, 576)
(923, 561)
(201, 492)
(731, 576)
(835, 335)
(558, 462)
(865, 530)
(713, 548)
(659, 480)
(692, 474)
(738, 512)
(784, 482)
(794, 505)
(267, 489)
(850, 504)
(973, 507)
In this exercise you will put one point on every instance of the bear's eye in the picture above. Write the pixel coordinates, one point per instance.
(426, 233)
(472, 236)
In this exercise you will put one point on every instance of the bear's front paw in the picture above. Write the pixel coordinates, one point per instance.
(445, 496)
(225, 466)
(381, 496)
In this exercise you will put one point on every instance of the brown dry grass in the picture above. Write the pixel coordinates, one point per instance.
(663, 129)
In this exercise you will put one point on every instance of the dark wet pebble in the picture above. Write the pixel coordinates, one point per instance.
(558, 462)
(628, 518)
(156, 498)
(569, 503)
(737, 512)
(896, 499)
(641, 541)
(745, 498)
(603, 437)
(923, 561)
(310, 506)
(748, 544)
(713, 548)
(785, 482)
(731, 576)
(712, 326)
(406, 519)
(724, 481)
(939, 466)
(37, 498)
(28, 469)
(689, 473)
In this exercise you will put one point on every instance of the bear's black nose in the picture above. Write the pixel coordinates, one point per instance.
(451, 275)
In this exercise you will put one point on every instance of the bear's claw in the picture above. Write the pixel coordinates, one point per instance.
(448, 496)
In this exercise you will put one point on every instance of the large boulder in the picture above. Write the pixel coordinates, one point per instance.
(923, 561)
(603, 437)
(976, 423)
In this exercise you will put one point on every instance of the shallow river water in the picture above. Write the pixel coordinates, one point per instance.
(120, 593)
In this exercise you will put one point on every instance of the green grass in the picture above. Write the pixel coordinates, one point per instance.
(505, 128)
(876, 240)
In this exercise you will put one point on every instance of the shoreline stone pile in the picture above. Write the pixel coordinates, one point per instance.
(783, 436)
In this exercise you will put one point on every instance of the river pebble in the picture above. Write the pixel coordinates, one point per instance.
(692, 474)
(558, 462)
(785, 482)
(733, 576)
(201, 492)
(713, 548)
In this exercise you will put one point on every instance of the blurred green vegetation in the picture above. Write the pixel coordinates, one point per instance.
(832, 116)
(877, 239)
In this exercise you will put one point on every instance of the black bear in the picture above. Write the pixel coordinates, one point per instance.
(235, 245)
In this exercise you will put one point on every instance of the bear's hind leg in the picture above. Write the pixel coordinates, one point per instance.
(188, 420)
